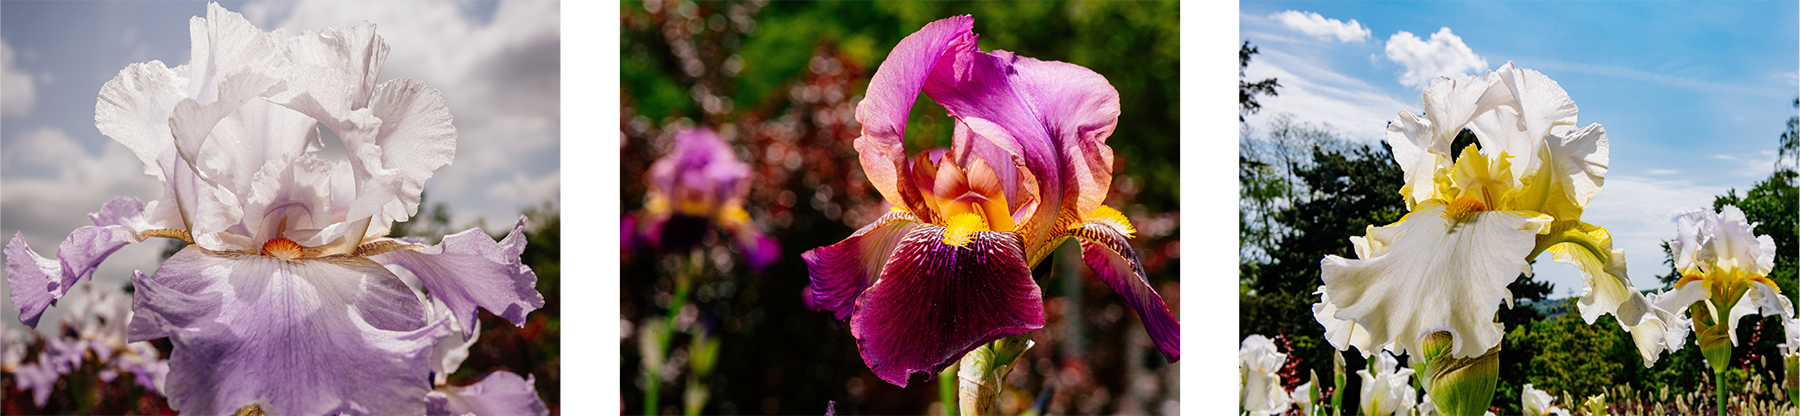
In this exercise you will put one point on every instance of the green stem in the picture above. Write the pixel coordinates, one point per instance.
(1719, 390)
(685, 272)
(947, 388)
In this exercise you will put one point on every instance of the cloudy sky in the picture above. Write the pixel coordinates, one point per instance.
(1694, 96)
(497, 64)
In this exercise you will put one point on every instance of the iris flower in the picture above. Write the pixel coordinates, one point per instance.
(1476, 220)
(1259, 362)
(1538, 403)
(1724, 267)
(1386, 387)
(284, 299)
(949, 269)
(699, 185)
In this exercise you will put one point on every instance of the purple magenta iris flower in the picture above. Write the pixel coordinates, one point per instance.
(949, 269)
(286, 297)
(697, 186)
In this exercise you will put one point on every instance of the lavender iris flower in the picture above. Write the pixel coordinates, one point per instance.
(698, 186)
(949, 269)
(284, 299)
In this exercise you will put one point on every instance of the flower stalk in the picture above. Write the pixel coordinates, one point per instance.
(983, 370)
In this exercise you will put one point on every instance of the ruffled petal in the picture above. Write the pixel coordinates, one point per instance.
(1258, 355)
(501, 393)
(1434, 276)
(840, 272)
(35, 281)
(1341, 334)
(320, 336)
(1108, 251)
(1422, 142)
(452, 348)
(935, 302)
(469, 270)
(415, 139)
(1762, 299)
(890, 96)
(1664, 327)
(1538, 107)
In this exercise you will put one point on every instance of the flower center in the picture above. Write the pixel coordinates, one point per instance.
(1462, 208)
(282, 248)
(961, 228)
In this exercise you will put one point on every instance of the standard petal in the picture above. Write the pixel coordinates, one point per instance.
(1106, 250)
(840, 272)
(1434, 276)
(935, 302)
(469, 270)
(320, 336)
(416, 138)
(890, 96)
(501, 393)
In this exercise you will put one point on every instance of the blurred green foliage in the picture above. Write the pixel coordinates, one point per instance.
(1135, 45)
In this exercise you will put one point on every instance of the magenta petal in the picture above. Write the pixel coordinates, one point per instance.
(501, 393)
(935, 302)
(319, 336)
(840, 272)
(468, 269)
(1107, 251)
(33, 280)
(890, 97)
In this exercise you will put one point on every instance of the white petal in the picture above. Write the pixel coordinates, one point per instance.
(1434, 277)
(1761, 299)
(1258, 354)
(1340, 333)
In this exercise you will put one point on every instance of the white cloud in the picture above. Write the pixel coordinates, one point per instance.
(1316, 93)
(501, 79)
(1444, 55)
(16, 91)
(1318, 26)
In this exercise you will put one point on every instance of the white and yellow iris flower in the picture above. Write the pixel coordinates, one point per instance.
(1724, 266)
(1477, 219)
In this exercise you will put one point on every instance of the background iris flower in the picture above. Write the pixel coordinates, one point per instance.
(699, 185)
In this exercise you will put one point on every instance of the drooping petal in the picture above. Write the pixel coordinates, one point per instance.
(890, 96)
(1434, 276)
(448, 353)
(1108, 251)
(37, 282)
(840, 272)
(1341, 334)
(935, 302)
(1664, 327)
(320, 336)
(1609, 290)
(501, 393)
(1762, 299)
(469, 270)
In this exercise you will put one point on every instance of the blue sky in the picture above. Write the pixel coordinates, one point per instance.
(497, 64)
(1694, 96)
